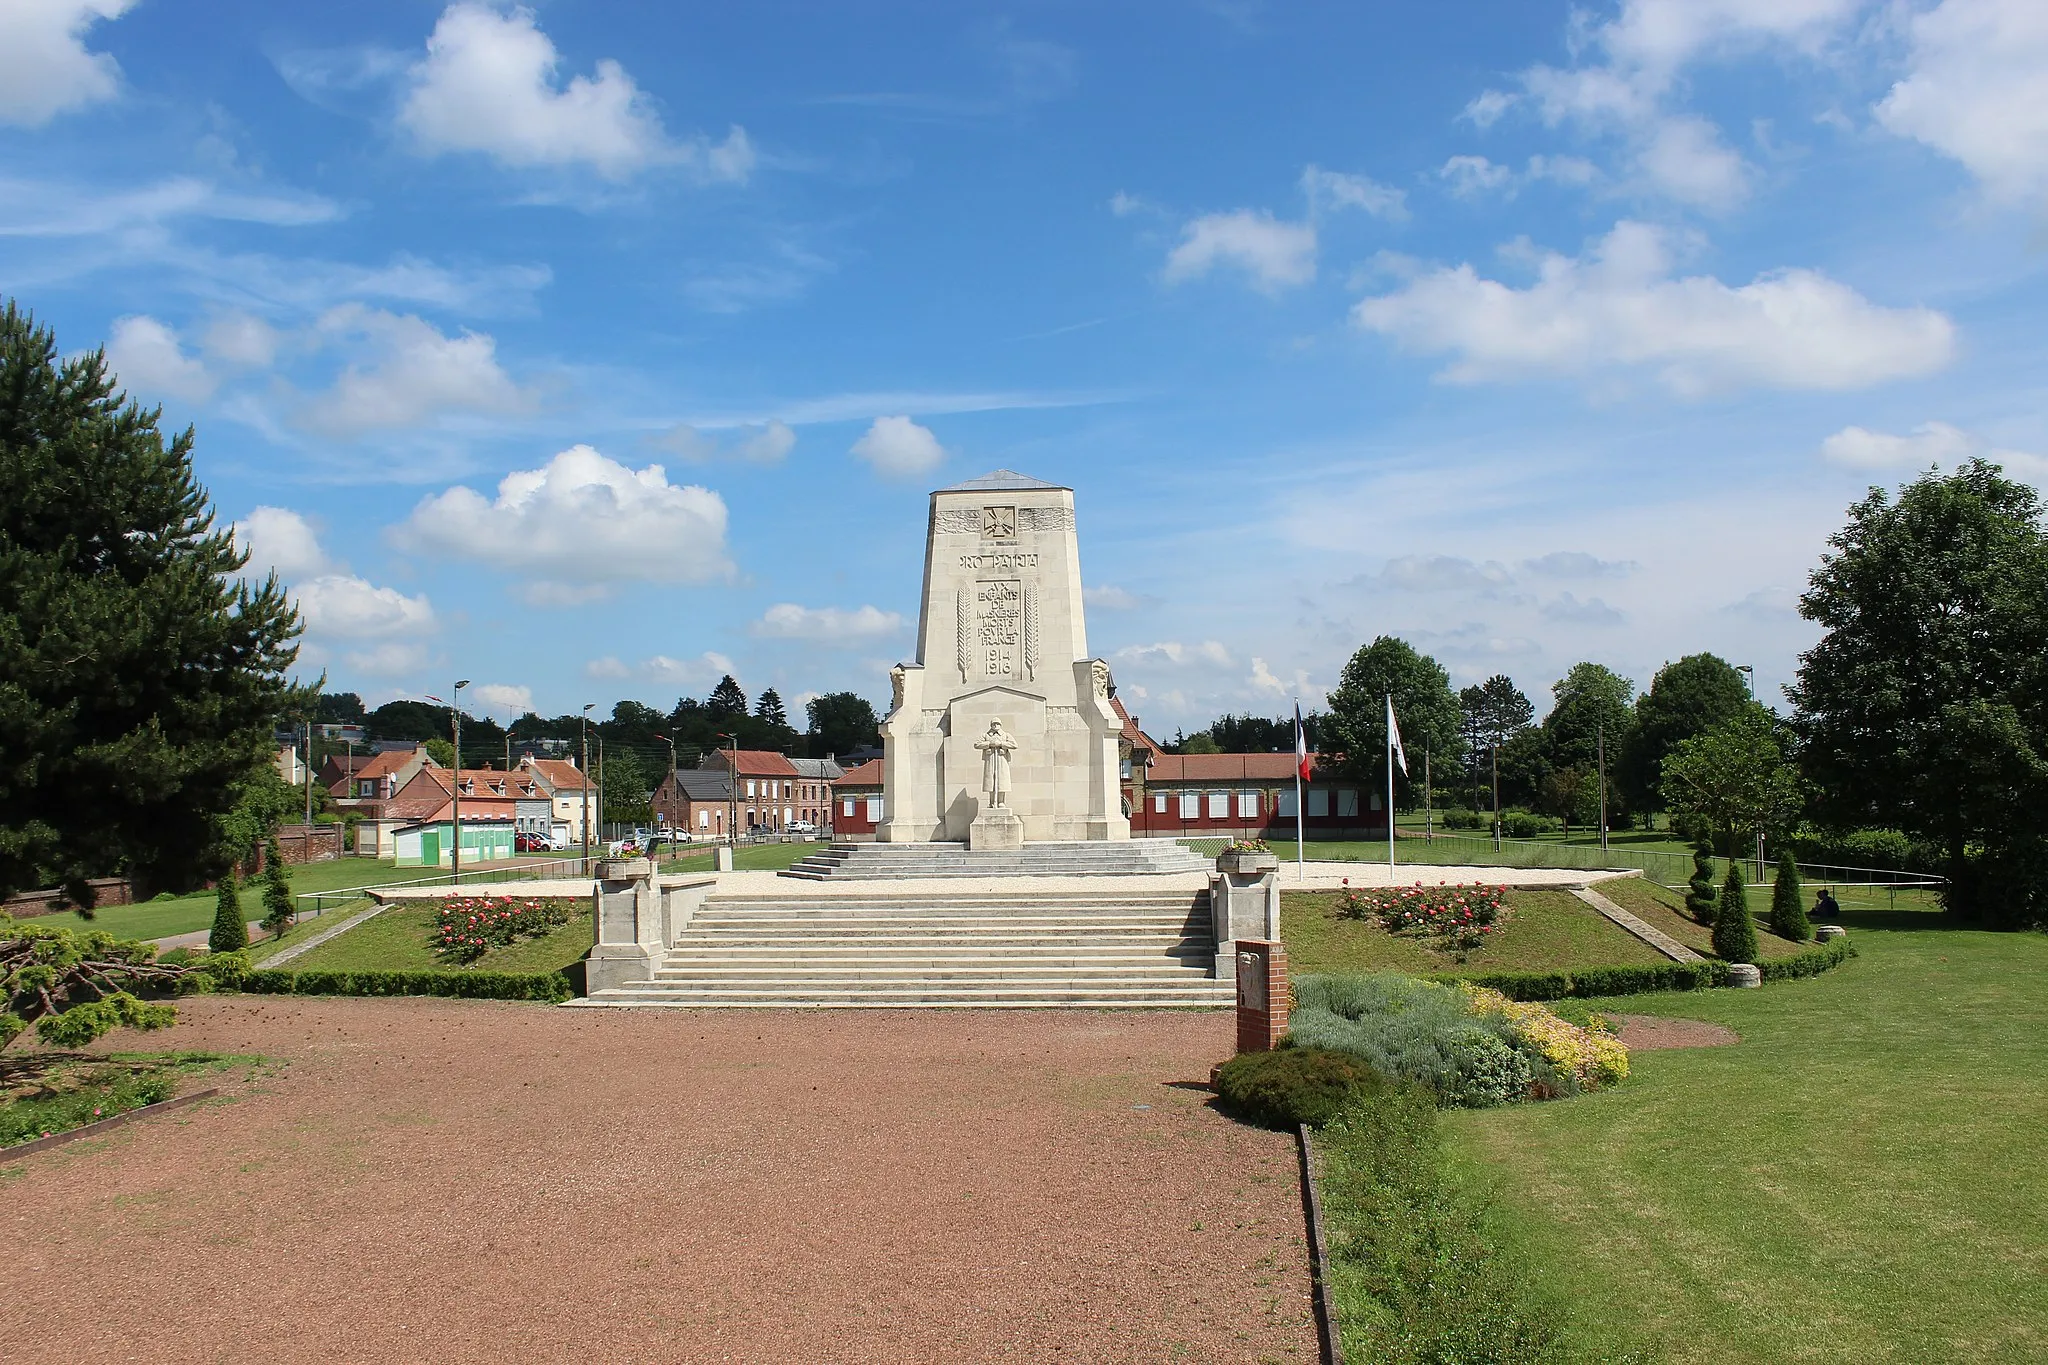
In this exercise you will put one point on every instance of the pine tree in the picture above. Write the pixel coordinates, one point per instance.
(1734, 930)
(230, 931)
(139, 671)
(727, 700)
(1699, 895)
(769, 708)
(277, 890)
(1788, 905)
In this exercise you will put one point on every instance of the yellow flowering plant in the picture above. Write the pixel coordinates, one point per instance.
(1593, 1055)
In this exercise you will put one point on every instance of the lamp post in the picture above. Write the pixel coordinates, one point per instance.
(672, 792)
(1600, 749)
(455, 712)
(1748, 672)
(732, 788)
(1496, 798)
(585, 775)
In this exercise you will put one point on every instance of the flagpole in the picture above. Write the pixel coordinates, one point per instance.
(1390, 786)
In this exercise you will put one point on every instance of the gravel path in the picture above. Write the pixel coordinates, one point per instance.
(471, 1181)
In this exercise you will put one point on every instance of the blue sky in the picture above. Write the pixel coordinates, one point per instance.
(592, 351)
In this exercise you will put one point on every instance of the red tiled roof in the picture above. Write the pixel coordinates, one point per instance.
(388, 762)
(1132, 735)
(756, 763)
(868, 774)
(1171, 768)
(558, 773)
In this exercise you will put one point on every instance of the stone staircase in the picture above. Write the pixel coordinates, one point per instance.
(1101, 949)
(889, 862)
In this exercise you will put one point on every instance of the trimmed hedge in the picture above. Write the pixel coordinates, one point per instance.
(551, 987)
(1292, 1085)
(1663, 976)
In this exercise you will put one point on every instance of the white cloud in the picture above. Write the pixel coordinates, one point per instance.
(1442, 573)
(1579, 564)
(1686, 159)
(1931, 443)
(899, 448)
(240, 340)
(1274, 254)
(826, 625)
(145, 356)
(1766, 606)
(1470, 176)
(345, 606)
(505, 697)
(55, 208)
(611, 666)
(1978, 91)
(279, 539)
(1564, 170)
(45, 68)
(1340, 190)
(1174, 652)
(413, 374)
(758, 444)
(1935, 443)
(489, 85)
(1486, 107)
(336, 604)
(1590, 612)
(1619, 307)
(581, 521)
(390, 659)
(1124, 205)
(1106, 597)
(1662, 35)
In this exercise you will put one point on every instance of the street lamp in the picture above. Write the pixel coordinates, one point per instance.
(585, 775)
(732, 825)
(1748, 672)
(456, 712)
(672, 792)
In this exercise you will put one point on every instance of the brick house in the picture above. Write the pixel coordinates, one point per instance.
(773, 793)
(695, 801)
(857, 802)
(564, 783)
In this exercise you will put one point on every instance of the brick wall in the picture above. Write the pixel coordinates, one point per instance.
(109, 890)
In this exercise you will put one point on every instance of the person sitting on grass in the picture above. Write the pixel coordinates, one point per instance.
(1825, 906)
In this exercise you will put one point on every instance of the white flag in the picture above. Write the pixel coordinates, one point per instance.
(1394, 738)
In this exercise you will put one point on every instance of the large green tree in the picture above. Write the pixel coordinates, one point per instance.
(1490, 714)
(1425, 708)
(1592, 715)
(1924, 707)
(139, 673)
(841, 722)
(1734, 777)
(1685, 699)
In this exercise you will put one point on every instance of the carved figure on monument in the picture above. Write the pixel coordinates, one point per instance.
(896, 676)
(996, 747)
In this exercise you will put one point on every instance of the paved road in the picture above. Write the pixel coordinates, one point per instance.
(473, 1181)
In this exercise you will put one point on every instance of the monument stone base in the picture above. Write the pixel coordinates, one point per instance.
(995, 831)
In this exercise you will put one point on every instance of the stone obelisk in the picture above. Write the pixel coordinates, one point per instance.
(1001, 731)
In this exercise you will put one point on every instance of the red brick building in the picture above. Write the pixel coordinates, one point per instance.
(857, 802)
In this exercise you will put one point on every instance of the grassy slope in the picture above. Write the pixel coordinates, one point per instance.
(1544, 930)
(398, 941)
(1663, 908)
(756, 858)
(1863, 1178)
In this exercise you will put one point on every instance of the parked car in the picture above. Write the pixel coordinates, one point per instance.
(526, 841)
(800, 827)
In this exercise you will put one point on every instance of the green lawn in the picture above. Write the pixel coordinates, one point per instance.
(750, 858)
(45, 1091)
(1863, 1178)
(1662, 908)
(399, 939)
(161, 919)
(1543, 931)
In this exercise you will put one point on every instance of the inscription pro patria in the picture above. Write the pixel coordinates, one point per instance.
(1002, 641)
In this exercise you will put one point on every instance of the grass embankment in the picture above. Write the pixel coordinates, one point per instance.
(184, 914)
(400, 939)
(1662, 908)
(1541, 931)
(43, 1093)
(1863, 1178)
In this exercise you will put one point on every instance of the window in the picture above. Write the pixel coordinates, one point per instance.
(1126, 769)
(875, 809)
(750, 789)
(1318, 802)
(1190, 805)
(1375, 800)
(1248, 805)
(787, 815)
(703, 819)
(846, 808)
(1219, 805)
(1347, 802)
(1159, 802)
(1287, 806)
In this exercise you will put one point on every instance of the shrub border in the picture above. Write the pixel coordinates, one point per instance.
(1662, 976)
(548, 987)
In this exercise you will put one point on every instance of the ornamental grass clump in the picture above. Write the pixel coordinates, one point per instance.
(467, 927)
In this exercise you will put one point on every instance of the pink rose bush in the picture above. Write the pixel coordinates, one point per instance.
(467, 927)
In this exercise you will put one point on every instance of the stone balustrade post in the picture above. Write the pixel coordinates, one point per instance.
(1244, 899)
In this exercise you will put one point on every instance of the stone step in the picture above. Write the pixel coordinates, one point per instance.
(1018, 923)
(767, 978)
(1018, 995)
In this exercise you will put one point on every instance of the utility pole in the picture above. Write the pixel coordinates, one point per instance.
(732, 802)
(1496, 798)
(455, 714)
(600, 784)
(1600, 750)
(309, 779)
(673, 793)
(584, 774)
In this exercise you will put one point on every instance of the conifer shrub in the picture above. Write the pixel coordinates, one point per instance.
(1699, 888)
(1734, 930)
(1291, 1085)
(230, 931)
(277, 890)
(1788, 907)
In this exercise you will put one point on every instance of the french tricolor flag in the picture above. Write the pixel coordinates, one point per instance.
(1301, 763)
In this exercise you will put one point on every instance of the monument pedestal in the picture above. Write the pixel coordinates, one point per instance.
(996, 831)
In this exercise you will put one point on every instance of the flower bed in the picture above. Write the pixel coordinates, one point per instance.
(1452, 919)
(467, 927)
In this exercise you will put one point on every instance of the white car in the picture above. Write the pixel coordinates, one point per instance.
(800, 827)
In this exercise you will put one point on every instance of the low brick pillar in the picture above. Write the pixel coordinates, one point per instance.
(1263, 994)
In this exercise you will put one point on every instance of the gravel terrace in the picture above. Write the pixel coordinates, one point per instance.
(474, 1181)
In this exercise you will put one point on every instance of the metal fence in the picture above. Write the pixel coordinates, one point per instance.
(314, 903)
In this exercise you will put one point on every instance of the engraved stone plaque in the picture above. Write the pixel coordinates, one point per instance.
(999, 523)
(999, 625)
(1251, 981)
